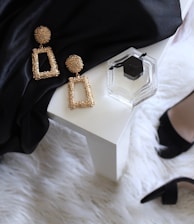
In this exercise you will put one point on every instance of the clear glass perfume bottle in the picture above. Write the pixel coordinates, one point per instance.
(131, 77)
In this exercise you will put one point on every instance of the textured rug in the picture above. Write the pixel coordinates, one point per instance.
(56, 184)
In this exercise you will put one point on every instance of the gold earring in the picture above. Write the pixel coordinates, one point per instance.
(42, 35)
(75, 64)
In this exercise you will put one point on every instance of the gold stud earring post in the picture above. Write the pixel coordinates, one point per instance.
(75, 64)
(42, 35)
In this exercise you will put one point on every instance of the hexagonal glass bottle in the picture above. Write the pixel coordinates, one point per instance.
(131, 77)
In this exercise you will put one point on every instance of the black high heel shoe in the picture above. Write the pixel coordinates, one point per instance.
(168, 137)
(168, 192)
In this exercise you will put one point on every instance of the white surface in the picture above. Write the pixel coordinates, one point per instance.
(105, 124)
(99, 119)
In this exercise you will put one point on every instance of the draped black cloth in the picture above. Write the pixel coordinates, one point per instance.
(95, 30)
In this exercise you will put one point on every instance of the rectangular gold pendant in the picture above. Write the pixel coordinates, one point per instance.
(89, 101)
(54, 72)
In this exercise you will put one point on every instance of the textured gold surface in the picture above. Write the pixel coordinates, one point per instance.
(42, 35)
(54, 72)
(89, 101)
(75, 64)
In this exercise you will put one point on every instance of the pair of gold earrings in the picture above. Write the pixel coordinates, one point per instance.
(73, 63)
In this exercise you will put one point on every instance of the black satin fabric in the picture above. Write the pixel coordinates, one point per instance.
(96, 30)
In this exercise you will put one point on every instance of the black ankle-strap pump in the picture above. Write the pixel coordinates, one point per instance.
(168, 192)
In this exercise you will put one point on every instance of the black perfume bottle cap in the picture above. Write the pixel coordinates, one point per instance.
(133, 67)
